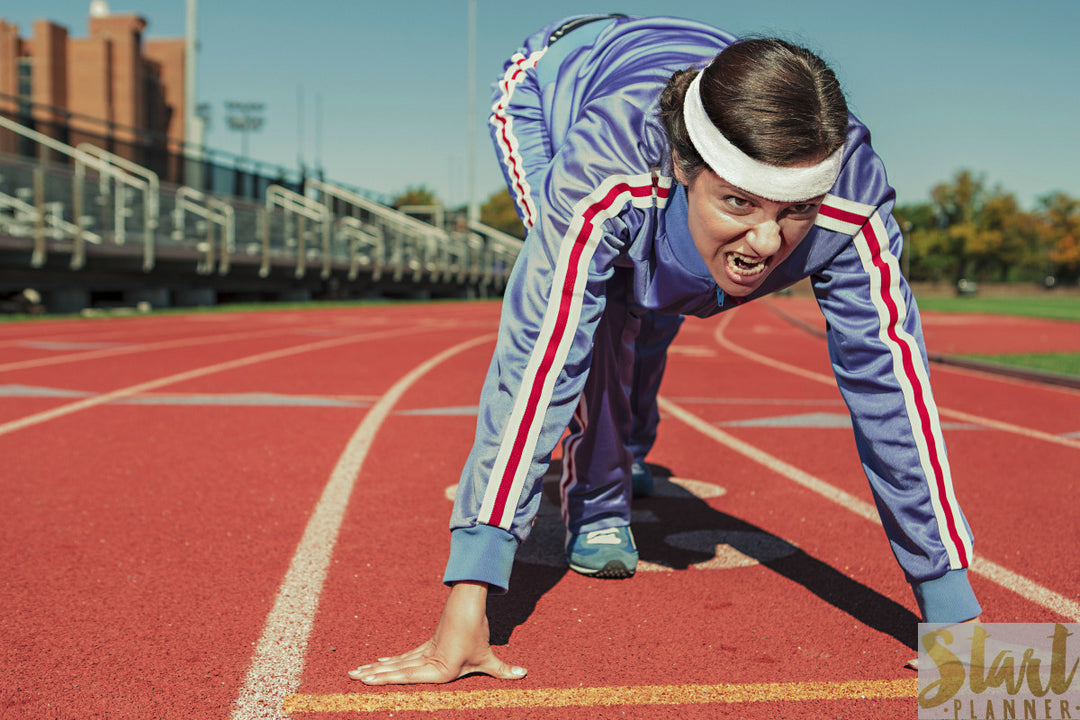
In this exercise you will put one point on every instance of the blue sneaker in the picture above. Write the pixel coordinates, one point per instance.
(607, 553)
(641, 480)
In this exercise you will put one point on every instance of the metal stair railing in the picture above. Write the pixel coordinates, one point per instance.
(27, 220)
(414, 244)
(441, 253)
(152, 203)
(473, 269)
(215, 212)
(358, 234)
(294, 203)
(107, 169)
(498, 247)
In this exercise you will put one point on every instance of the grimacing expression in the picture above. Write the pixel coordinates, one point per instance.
(742, 236)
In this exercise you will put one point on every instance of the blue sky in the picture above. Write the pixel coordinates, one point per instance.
(987, 85)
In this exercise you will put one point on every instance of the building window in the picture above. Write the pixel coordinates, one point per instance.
(25, 115)
(26, 84)
(153, 93)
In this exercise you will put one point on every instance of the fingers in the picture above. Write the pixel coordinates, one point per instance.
(367, 672)
(419, 667)
(414, 653)
(420, 673)
(395, 663)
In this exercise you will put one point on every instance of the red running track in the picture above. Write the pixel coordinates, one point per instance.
(214, 516)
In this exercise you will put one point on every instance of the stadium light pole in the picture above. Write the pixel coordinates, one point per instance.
(190, 44)
(194, 123)
(246, 117)
(474, 215)
(300, 130)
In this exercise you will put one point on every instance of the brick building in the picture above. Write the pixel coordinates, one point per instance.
(113, 87)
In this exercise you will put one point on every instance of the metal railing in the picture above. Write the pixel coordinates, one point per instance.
(298, 207)
(343, 231)
(481, 254)
(356, 235)
(500, 252)
(412, 243)
(40, 222)
(108, 173)
(152, 205)
(214, 212)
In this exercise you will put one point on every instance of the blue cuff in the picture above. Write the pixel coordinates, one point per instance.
(481, 553)
(947, 599)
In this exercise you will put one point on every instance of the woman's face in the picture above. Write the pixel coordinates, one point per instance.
(743, 236)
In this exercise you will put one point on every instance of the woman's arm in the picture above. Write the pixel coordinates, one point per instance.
(879, 360)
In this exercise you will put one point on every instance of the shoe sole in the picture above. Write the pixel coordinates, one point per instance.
(614, 570)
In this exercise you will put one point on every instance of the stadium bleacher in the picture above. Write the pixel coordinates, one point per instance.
(83, 226)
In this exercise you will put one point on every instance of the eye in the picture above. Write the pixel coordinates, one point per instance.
(802, 209)
(736, 202)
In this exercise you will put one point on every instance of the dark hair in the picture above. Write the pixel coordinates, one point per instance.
(777, 102)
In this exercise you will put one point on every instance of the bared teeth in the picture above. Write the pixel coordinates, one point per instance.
(744, 264)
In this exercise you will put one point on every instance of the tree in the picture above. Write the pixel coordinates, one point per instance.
(921, 256)
(1001, 249)
(1058, 228)
(419, 195)
(980, 232)
(969, 230)
(957, 205)
(498, 212)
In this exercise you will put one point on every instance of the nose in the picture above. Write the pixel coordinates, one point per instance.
(764, 238)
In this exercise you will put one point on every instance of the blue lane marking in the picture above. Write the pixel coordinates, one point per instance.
(450, 411)
(238, 399)
(57, 345)
(825, 420)
(34, 391)
(818, 420)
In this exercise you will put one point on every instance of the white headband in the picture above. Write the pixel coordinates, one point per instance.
(783, 184)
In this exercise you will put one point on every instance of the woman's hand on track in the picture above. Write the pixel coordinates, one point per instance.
(460, 646)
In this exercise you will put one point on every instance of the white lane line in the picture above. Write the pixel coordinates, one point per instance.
(1065, 440)
(1008, 579)
(278, 661)
(1019, 584)
(801, 477)
(63, 410)
(944, 412)
(127, 349)
(758, 401)
(1026, 588)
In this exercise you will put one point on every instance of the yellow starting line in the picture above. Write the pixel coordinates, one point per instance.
(429, 701)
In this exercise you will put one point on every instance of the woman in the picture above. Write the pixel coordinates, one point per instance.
(648, 187)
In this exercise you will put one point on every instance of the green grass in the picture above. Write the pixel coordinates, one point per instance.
(1060, 363)
(1048, 305)
(1055, 307)
(231, 307)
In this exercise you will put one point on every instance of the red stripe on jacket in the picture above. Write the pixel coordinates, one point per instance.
(566, 300)
(909, 370)
(513, 158)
